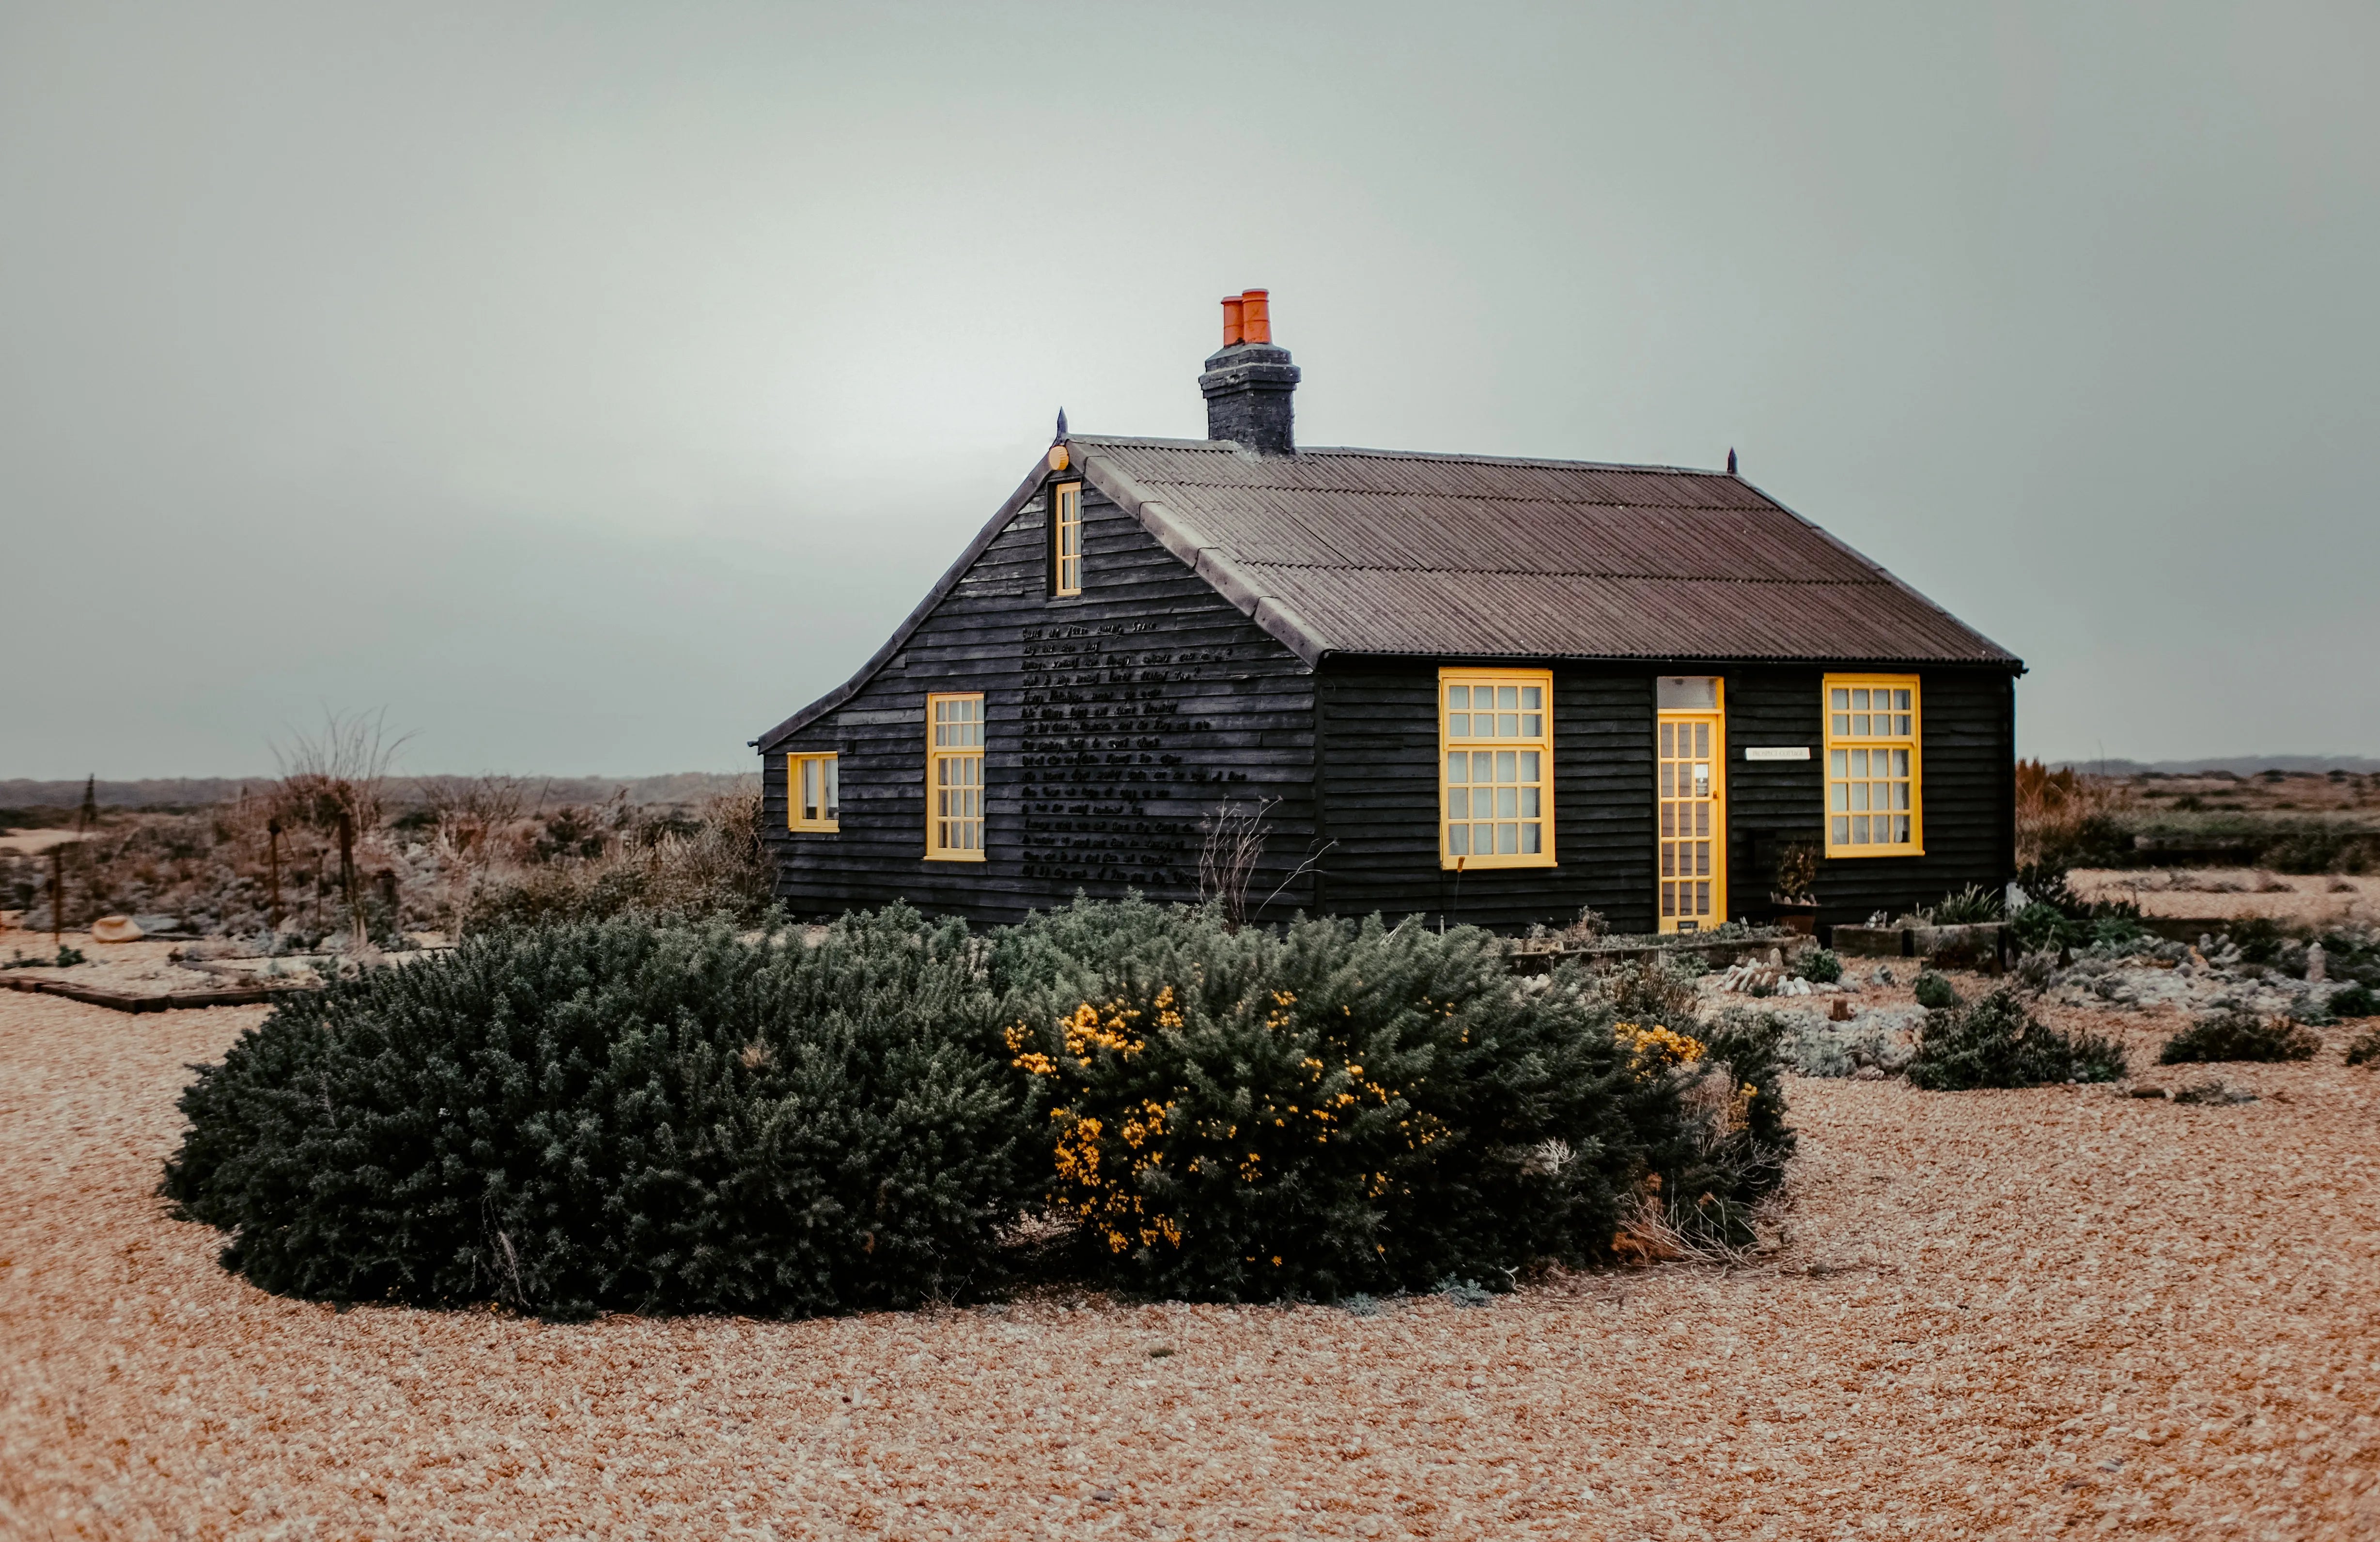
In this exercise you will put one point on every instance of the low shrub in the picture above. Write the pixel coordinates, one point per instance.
(1935, 991)
(1974, 903)
(1995, 1042)
(1822, 965)
(621, 1115)
(2042, 927)
(2365, 1048)
(1339, 1107)
(2260, 939)
(2353, 1001)
(2240, 1036)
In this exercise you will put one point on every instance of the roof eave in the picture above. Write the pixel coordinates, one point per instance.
(768, 742)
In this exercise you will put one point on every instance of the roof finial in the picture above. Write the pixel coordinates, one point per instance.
(1061, 425)
(1731, 449)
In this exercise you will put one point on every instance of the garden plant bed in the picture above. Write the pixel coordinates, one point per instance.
(1993, 1313)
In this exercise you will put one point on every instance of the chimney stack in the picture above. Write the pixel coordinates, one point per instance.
(1248, 382)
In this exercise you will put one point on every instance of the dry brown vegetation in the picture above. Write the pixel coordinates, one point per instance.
(325, 853)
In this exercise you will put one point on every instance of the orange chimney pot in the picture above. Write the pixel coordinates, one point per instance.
(1231, 319)
(1255, 316)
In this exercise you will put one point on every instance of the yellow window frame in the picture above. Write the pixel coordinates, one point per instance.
(1066, 539)
(1518, 773)
(1874, 773)
(955, 784)
(813, 774)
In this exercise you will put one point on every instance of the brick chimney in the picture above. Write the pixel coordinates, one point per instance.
(1248, 382)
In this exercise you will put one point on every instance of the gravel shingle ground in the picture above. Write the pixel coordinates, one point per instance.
(1998, 1313)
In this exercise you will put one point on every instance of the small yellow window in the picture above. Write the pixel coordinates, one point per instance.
(1875, 804)
(812, 797)
(955, 778)
(1496, 769)
(1066, 547)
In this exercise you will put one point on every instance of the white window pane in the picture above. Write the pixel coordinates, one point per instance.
(1859, 829)
(1840, 827)
(1529, 808)
(1842, 723)
(1459, 698)
(1840, 700)
(1508, 698)
(1901, 703)
(1507, 765)
(1533, 725)
(1458, 724)
(1508, 840)
(1532, 697)
(1508, 725)
(1458, 840)
(1839, 762)
(1508, 803)
(1529, 761)
(1859, 700)
(1839, 795)
(1458, 767)
(1531, 840)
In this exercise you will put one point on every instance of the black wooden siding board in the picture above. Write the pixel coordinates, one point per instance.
(1258, 696)
(1381, 720)
(1966, 748)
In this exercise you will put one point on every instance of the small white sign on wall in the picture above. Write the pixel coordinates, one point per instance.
(1777, 752)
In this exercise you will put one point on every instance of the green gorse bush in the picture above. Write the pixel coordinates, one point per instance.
(628, 1115)
(618, 1115)
(1339, 1106)
(1995, 1042)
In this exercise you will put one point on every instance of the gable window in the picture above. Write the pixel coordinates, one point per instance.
(1496, 769)
(1066, 539)
(1874, 773)
(955, 778)
(812, 798)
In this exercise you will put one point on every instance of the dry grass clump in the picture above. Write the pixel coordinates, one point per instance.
(334, 851)
(2241, 1035)
(579, 867)
(2054, 809)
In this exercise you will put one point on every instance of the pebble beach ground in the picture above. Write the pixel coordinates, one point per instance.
(1994, 1314)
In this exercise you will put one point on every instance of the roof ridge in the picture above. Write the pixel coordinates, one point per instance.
(1452, 458)
(1476, 497)
(1879, 582)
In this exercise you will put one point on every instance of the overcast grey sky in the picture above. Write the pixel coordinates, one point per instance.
(592, 386)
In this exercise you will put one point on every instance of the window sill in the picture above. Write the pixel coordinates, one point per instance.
(1840, 854)
(1488, 864)
(954, 856)
(814, 829)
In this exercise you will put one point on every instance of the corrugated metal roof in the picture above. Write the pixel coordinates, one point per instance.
(1381, 552)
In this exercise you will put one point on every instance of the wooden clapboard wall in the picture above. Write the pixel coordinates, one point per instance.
(1116, 721)
(1378, 732)
(1379, 776)
(1968, 740)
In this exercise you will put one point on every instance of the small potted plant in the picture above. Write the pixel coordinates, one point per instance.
(1795, 896)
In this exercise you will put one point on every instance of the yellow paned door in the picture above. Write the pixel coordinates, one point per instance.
(1692, 783)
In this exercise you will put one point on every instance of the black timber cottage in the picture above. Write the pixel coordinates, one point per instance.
(1463, 687)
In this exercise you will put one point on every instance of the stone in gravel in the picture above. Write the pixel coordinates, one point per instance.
(2148, 1092)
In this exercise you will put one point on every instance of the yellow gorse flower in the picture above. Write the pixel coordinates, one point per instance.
(1656, 1047)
